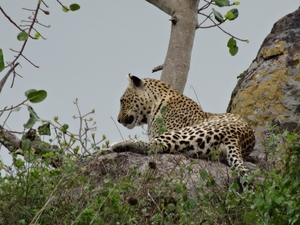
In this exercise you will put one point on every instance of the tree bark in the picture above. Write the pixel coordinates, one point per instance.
(184, 18)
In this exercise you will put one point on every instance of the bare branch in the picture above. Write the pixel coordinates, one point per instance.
(205, 6)
(10, 20)
(207, 17)
(167, 6)
(2, 82)
(157, 68)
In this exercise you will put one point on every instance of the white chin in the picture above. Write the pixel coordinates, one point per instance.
(129, 126)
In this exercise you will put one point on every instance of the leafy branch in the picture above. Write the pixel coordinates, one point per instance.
(219, 19)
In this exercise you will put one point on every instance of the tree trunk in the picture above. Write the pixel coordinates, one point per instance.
(184, 18)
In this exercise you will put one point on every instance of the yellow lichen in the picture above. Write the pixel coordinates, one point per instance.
(263, 99)
(273, 50)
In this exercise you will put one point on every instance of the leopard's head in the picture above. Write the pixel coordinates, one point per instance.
(133, 104)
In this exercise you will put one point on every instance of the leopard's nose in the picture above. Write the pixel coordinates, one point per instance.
(129, 119)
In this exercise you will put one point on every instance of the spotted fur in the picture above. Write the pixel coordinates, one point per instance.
(190, 130)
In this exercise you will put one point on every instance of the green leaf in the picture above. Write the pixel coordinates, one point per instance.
(191, 204)
(44, 129)
(26, 145)
(33, 117)
(2, 65)
(177, 189)
(32, 113)
(19, 163)
(37, 35)
(171, 207)
(236, 3)
(160, 119)
(231, 42)
(233, 48)
(64, 128)
(249, 217)
(22, 36)
(30, 123)
(279, 199)
(222, 3)
(218, 16)
(232, 14)
(74, 7)
(65, 8)
(36, 96)
(203, 174)
(29, 91)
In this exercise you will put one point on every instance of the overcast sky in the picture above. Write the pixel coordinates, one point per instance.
(88, 53)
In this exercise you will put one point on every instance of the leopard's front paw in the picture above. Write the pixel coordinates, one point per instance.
(118, 147)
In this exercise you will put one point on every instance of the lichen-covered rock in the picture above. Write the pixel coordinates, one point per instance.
(268, 93)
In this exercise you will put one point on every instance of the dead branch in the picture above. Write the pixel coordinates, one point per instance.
(157, 68)
(2, 82)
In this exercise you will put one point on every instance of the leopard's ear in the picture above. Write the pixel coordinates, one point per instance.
(135, 81)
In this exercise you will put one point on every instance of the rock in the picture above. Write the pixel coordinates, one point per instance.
(268, 92)
(175, 167)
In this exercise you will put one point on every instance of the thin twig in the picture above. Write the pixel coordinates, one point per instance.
(62, 5)
(2, 82)
(205, 6)
(117, 128)
(29, 30)
(196, 96)
(13, 107)
(45, 4)
(10, 20)
(218, 25)
(80, 129)
(208, 16)
(36, 66)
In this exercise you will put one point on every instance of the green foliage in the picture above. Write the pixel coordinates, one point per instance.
(218, 16)
(37, 35)
(33, 118)
(278, 204)
(72, 7)
(160, 120)
(44, 129)
(33, 192)
(2, 65)
(35, 96)
(22, 36)
(233, 48)
(232, 14)
(222, 3)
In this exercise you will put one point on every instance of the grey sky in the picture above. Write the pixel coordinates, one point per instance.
(88, 53)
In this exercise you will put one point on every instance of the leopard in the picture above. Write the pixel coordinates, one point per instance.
(188, 129)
